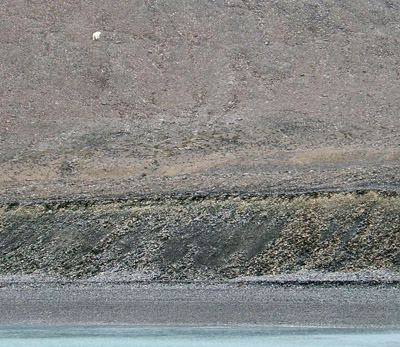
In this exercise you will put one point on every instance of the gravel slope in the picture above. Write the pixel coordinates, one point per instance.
(181, 96)
(192, 238)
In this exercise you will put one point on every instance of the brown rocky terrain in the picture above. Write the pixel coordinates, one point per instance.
(182, 96)
(187, 141)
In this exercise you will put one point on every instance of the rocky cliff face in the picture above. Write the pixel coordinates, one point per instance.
(203, 237)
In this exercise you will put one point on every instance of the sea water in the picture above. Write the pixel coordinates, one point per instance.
(187, 337)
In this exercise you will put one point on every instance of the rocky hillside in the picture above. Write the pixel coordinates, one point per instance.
(181, 96)
(197, 138)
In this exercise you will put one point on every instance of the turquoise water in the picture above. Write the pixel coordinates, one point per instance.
(187, 337)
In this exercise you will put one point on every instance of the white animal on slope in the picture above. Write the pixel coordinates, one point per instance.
(96, 35)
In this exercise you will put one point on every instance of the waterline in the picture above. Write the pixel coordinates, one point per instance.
(190, 336)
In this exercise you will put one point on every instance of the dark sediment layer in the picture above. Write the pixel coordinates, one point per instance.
(203, 237)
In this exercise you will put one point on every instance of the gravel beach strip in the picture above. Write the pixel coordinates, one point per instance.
(293, 304)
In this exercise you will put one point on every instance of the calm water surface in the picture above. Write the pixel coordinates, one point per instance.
(187, 337)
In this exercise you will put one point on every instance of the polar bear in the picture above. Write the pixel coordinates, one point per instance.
(96, 35)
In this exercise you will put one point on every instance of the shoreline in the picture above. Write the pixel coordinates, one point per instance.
(289, 260)
(201, 304)
(303, 277)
